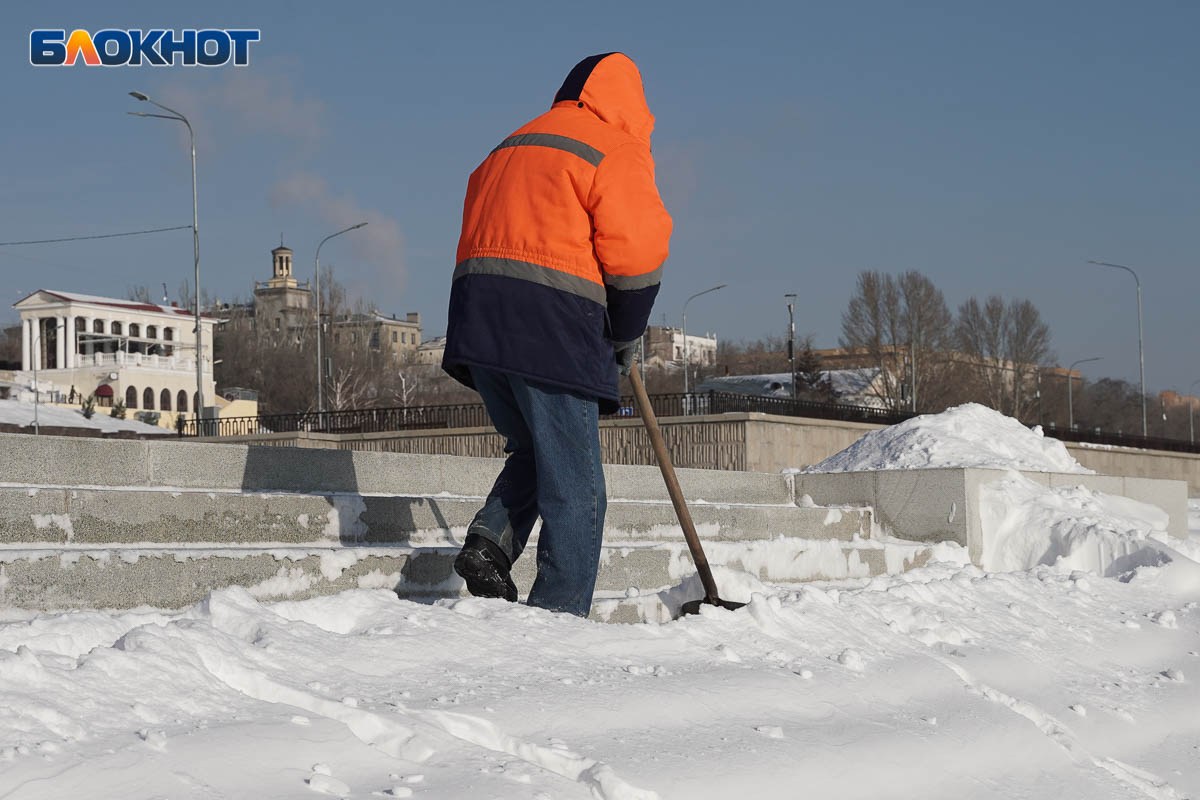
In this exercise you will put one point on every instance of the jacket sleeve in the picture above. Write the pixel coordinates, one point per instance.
(632, 231)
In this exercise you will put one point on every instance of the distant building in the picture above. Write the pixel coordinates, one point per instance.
(667, 344)
(400, 337)
(431, 352)
(282, 303)
(1170, 399)
(142, 354)
(858, 387)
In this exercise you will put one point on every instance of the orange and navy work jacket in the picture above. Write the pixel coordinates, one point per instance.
(563, 239)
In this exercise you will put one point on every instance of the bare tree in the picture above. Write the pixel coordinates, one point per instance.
(1005, 343)
(927, 327)
(1028, 348)
(871, 325)
(983, 335)
(279, 364)
(902, 326)
(187, 298)
(139, 294)
(10, 344)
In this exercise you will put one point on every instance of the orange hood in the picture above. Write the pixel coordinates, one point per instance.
(610, 86)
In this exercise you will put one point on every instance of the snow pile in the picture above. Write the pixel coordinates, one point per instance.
(16, 413)
(1035, 684)
(969, 435)
(1025, 524)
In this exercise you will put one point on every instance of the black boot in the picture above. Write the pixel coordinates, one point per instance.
(483, 565)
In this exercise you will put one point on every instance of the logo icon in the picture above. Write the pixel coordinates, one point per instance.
(111, 47)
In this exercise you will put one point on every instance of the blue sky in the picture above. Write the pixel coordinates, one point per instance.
(993, 146)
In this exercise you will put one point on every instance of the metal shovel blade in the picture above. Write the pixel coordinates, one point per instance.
(693, 606)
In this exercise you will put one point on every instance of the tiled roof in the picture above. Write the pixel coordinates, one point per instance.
(128, 305)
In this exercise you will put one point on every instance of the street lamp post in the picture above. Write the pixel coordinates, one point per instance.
(1070, 399)
(792, 340)
(1191, 415)
(35, 357)
(317, 264)
(1141, 351)
(686, 349)
(175, 115)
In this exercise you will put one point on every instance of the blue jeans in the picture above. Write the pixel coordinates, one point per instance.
(552, 470)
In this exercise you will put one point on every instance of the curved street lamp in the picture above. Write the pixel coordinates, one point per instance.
(791, 306)
(1141, 351)
(686, 349)
(1070, 400)
(175, 115)
(1191, 416)
(37, 342)
(317, 263)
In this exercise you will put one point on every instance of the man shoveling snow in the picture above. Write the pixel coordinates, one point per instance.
(563, 240)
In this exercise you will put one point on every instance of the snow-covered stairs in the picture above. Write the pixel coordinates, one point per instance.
(88, 523)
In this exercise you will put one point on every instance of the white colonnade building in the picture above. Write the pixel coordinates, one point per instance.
(141, 354)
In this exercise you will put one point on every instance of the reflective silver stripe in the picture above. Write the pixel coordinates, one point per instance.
(573, 146)
(534, 273)
(630, 282)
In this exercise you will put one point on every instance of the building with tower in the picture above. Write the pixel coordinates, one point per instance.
(282, 303)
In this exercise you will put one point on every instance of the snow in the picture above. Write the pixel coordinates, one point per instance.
(1025, 524)
(1066, 668)
(16, 413)
(945, 681)
(969, 435)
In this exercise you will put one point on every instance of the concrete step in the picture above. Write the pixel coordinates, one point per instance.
(108, 516)
(70, 462)
(64, 577)
(86, 523)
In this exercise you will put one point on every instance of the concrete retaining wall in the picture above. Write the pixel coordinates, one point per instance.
(944, 504)
(1136, 463)
(735, 441)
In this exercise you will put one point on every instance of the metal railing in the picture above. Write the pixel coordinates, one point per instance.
(1092, 436)
(361, 420)
(474, 415)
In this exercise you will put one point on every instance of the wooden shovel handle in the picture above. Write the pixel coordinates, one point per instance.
(668, 473)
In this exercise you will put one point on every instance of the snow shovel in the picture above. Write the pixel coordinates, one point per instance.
(681, 510)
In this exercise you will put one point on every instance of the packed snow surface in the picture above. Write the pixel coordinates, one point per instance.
(16, 413)
(944, 682)
(969, 435)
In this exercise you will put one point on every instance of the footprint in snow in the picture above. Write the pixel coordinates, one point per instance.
(729, 654)
(399, 789)
(852, 659)
(327, 784)
(155, 739)
(1165, 618)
